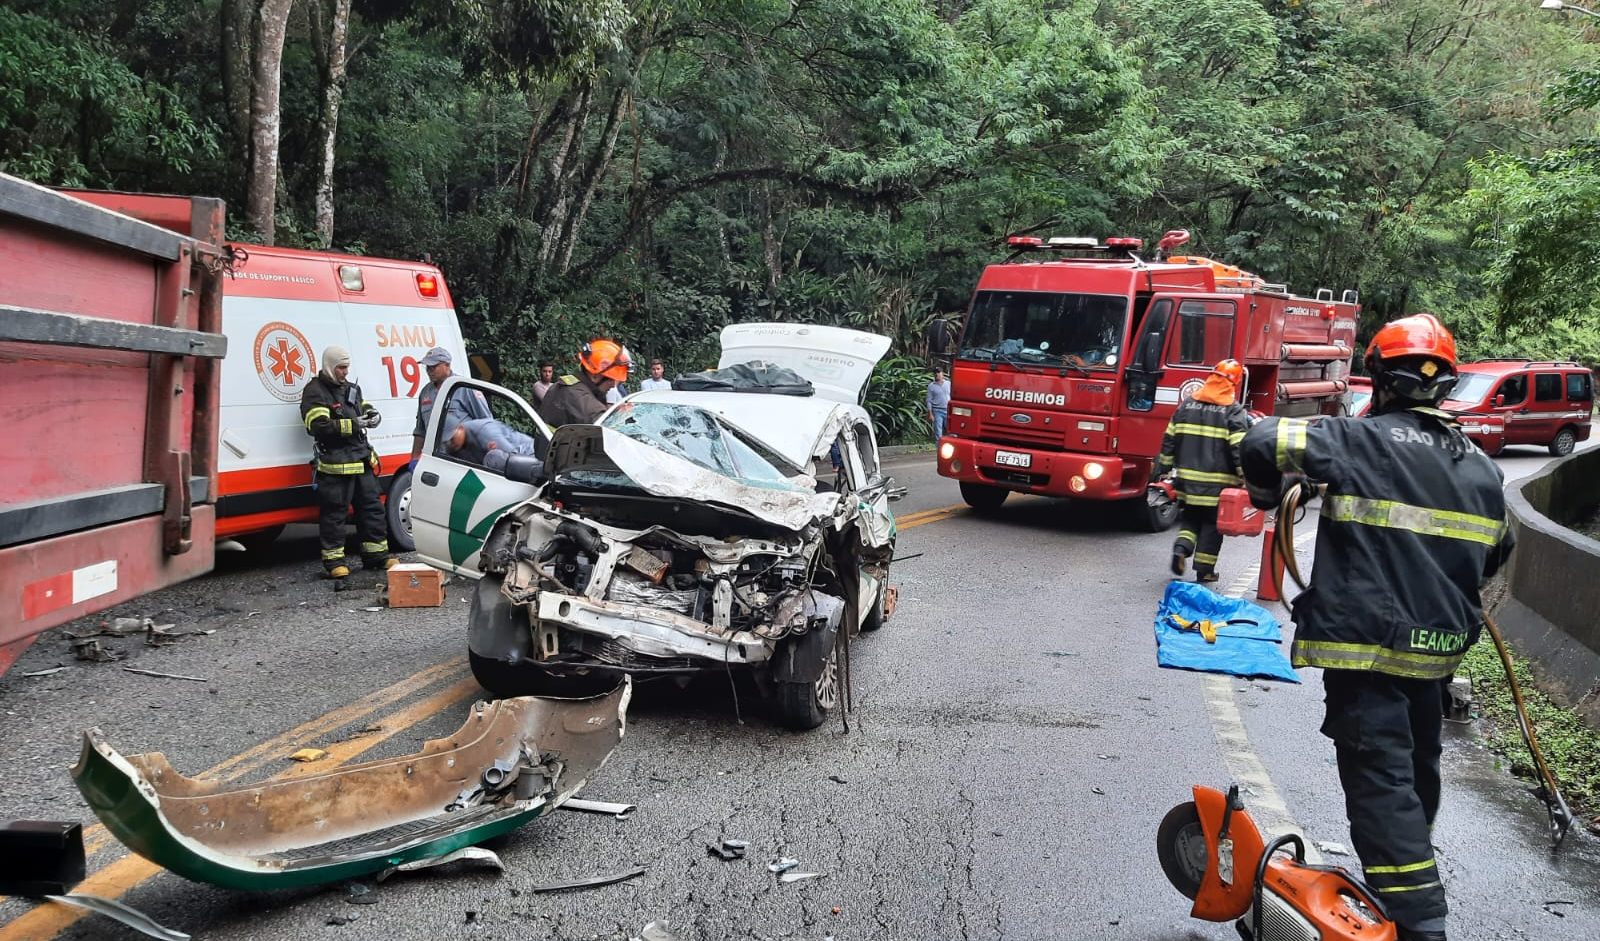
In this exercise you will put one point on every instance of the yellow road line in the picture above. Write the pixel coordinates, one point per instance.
(113, 881)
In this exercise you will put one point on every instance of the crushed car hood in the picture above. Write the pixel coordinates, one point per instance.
(593, 447)
(836, 360)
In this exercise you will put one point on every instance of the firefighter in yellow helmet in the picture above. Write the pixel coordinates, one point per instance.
(574, 400)
(1201, 451)
(1413, 522)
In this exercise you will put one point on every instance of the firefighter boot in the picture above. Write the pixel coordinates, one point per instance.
(338, 570)
(1412, 934)
(1204, 578)
(1180, 559)
(384, 562)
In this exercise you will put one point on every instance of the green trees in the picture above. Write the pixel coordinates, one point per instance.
(655, 169)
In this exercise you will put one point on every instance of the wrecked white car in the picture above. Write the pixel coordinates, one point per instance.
(688, 531)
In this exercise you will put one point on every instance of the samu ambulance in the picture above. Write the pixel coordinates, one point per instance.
(281, 308)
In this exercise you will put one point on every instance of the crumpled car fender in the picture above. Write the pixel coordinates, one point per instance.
(801, 659)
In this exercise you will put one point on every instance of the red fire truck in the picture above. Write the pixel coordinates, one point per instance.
(1076, 352)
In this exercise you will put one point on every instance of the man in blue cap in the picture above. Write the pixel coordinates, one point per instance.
(463, 405)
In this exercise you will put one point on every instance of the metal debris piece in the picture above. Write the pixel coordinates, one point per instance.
(167, 676)
(620, 811)
(49, 672)
(1097, 789)
(782, 864)
(1332, 848)
(656, 931)
(836, 779)
(360, 894)
(159, 635)
(375, 608)
(127, 914)
(591, 882)
(87, 648)
(474, 853)
(728, 849)
(342, 919)
(788, 877)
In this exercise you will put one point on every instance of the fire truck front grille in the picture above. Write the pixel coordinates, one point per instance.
(1044, 438)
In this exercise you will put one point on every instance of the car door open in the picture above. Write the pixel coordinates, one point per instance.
(484, 454)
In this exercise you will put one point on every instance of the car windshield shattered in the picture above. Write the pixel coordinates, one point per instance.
(702, 438)
(1046, 328)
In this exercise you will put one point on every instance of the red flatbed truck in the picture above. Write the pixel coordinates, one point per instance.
(110, 350)
(1076, 352)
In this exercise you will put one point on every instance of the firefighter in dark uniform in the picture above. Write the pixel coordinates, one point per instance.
(575, 400)
(1413, 521)
(1201, 451)
(337, 416)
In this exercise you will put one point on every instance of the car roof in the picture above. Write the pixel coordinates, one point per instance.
(791, 424)
(1505, 367)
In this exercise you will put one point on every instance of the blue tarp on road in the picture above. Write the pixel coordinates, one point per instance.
(1249, 639)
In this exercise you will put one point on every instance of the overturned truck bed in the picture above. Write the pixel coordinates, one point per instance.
(513, 760)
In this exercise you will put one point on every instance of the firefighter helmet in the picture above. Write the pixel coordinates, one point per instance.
(1231, 370)
(606, 359)
(1414, 358)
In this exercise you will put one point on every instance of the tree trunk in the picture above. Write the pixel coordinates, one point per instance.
(330, 25)
(563, 168)
(593, 172)
(238, 21)
(265, 120)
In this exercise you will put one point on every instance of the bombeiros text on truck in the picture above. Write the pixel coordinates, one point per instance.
(1076, 352)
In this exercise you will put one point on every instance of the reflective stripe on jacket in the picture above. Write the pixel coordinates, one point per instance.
(1202, 446)
(331, 414)
(1413, 522)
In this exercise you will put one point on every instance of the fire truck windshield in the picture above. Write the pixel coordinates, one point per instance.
(1046, 329)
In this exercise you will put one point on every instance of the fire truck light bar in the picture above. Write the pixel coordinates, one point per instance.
(1125, 242)
(1073, 242)
(1023, 240)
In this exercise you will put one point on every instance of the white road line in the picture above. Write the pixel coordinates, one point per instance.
(1266, 805)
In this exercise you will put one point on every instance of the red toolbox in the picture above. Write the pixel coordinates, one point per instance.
(1235, 515)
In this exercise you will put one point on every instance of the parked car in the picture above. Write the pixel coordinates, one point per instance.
(686, 532)
(1549, 404)
(1358, 396)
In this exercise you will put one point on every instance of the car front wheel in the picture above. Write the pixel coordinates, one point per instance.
(1561, 445)
(398, 510)
(802, 706)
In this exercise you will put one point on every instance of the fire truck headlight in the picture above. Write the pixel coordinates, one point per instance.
(1094, 470)
(1078, 484)
(960, 411)
(947, 451)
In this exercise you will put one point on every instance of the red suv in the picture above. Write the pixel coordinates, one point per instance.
(1542, 403)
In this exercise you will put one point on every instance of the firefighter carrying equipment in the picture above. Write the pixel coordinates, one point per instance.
(606, 358)
(1403, 486)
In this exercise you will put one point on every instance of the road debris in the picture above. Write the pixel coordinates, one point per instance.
(728, 849)
(1097, 789)
(342, 919)
(472, 853)
(117, 911)
(782, 864)
(167, 676)
(87, 648)
(619, 811)
(50, 672)
(592, 882)
(836, 779)
(359, 893)
(1332, 848)
(788, 877)
(307, 754)
(656, 931)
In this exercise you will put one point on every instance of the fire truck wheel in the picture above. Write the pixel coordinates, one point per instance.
(398, 508)
(1561, 445)
(983, 498)
(1155, 517)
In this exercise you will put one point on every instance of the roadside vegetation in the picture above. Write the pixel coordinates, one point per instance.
(1571, 748)
(654, 169)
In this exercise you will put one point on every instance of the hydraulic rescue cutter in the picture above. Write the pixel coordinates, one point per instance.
(1214, 854)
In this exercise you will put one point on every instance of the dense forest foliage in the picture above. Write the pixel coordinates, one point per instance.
(654, 169)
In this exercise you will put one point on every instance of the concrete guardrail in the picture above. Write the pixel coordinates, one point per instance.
(1551, 612)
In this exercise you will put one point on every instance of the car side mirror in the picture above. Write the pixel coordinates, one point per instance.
(1499, 401)
(524, 469)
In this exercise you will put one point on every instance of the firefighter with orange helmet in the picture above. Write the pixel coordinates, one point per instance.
(575, 400)
(1413, 521)
(1201, 452)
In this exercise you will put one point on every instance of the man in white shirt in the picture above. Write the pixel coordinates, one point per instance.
(658, 370)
